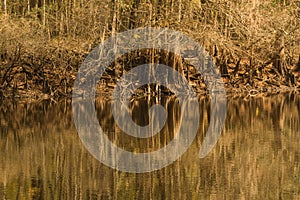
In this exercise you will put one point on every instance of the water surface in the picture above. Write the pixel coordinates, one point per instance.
(256, 157)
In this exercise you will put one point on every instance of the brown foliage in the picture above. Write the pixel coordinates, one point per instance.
(43, 42)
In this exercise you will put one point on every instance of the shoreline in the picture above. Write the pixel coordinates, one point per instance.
(246, 92)
(22, 80)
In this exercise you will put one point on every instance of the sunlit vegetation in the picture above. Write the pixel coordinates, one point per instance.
(255, 44)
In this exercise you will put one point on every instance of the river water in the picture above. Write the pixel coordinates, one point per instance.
(256, 157)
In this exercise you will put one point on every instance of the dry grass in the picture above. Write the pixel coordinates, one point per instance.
(250, 40)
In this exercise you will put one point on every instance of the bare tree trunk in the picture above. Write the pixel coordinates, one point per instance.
(5, 7)
(44, 13)
(117, 67)
(28, 6)
(114, 20)
(179, 10)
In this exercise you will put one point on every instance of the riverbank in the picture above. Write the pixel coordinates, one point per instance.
(53, 84)
(255, 45)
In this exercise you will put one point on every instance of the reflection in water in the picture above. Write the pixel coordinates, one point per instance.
(256, 157)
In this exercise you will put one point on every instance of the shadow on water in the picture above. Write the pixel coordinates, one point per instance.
(256, 157)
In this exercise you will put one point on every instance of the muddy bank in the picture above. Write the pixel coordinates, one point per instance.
(43, 79)
(255, 45)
